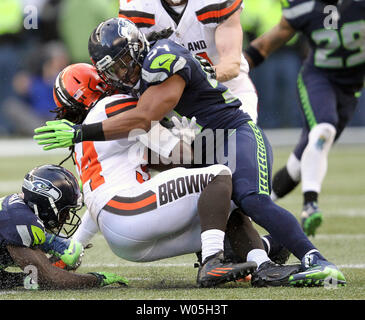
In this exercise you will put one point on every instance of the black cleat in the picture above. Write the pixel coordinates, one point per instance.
(270, 274)
(215, 271)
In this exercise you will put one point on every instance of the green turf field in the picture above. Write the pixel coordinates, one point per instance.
(341, 239)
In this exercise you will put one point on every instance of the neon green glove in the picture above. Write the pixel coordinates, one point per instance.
(71, 258)
(58, 134)
(107, 278)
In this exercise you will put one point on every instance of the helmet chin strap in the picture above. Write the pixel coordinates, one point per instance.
(35, 208)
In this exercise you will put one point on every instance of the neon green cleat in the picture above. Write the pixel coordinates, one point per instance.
(311, 218)
(319, 273)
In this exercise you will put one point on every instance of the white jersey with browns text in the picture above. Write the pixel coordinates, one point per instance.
(195, 31)
(106, 167)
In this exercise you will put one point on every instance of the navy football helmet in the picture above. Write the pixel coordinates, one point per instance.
(53, 193)
(117, 49)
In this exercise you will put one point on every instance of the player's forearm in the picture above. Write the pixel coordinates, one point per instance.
(263, 46)
(47, 275)
(61, 279)
(227, 70)
(229, 46)
(269, 42)
(154, 103)
(119, 126)
(228, 39)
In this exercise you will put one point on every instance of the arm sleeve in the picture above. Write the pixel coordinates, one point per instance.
(87, 229)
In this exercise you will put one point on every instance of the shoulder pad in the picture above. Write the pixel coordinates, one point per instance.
(211, 11)
(142, 13)
(164, 60)
(119, 103)
(23, 227)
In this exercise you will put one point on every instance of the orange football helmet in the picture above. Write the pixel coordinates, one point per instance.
(76, 90)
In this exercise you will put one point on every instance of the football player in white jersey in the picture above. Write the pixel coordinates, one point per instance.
(209, 28)
(142, 218)
(146, 219)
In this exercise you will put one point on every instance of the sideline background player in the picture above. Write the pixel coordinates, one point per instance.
(329, 86)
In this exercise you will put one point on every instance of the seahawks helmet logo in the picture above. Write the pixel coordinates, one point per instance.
(125, 28)
(43, 187)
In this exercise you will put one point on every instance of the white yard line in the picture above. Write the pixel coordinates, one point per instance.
(181, 265)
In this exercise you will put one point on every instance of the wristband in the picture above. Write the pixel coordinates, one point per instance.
(255, 55)
(91, 132)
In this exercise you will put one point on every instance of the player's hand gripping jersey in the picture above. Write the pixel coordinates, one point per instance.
(196, 32)
(338, 47)
(209, 101)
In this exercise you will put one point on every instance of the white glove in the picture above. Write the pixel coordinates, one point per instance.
(184, 129)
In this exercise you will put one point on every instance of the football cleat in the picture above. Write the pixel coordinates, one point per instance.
(311, 218)
(69, 259)
(317, 273)
(270, 274)
(215, 271)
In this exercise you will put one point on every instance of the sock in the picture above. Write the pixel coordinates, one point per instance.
(257, 255)
(212, 242)
(266, 242)
(308, 260)
(280, 223)
(310, 196)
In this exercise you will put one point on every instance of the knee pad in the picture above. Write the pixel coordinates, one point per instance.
(322, 136)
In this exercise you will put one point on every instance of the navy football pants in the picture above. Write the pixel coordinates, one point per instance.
(251, 165)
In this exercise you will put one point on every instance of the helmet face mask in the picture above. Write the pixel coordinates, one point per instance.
(125, 71)
(53, 193)
(117, 48)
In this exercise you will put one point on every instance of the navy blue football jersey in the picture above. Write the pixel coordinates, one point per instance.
(336, 36)
(209, 101)
(18, 224)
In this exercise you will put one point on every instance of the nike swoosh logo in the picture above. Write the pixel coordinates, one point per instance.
(162, 63)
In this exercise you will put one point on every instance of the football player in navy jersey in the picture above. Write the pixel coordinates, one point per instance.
(329, 86)
(49, 200)
(170, 81)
